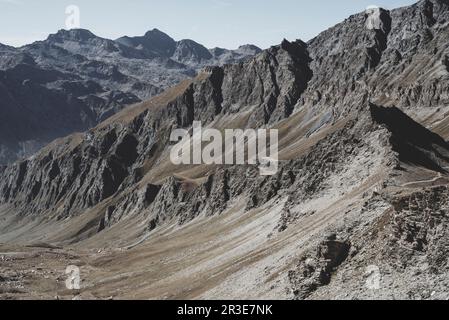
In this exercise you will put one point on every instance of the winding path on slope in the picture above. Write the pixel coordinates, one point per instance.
(435, 179)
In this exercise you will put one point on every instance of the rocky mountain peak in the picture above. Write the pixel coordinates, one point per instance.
(154, 41)
(189, 50)
(86, 79)
(160, 40)
(378, 19)
(297, 47)
(79, 35)
(249, 49)
(157, 34)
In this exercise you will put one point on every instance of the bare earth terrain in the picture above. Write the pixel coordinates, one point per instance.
(359, 208)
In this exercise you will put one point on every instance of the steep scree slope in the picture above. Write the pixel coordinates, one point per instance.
(360, 191)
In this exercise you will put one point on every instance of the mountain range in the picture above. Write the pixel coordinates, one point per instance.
(74, 79)
(358, 209)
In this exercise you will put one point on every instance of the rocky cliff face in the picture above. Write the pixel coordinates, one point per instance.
(393, 58)
(120, 152)
(361, 113)
(84, 79)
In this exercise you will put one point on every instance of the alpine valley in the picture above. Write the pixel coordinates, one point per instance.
(359, 208)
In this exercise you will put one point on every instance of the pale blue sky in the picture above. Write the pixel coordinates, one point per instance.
(223, 23)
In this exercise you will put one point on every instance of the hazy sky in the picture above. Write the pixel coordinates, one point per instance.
(223, 23)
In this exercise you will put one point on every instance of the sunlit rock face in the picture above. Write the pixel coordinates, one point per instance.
(374, 20)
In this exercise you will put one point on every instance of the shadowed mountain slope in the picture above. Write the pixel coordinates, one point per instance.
(361, 187)
(80, 79)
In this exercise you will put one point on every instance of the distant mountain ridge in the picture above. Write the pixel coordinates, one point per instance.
(359, 208)
(75, 79)
(186, 51)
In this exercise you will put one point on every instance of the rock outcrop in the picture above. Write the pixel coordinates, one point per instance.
(110, 159)
(79, 79)
(362, 180)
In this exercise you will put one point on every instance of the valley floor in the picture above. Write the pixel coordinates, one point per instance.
(236, 255)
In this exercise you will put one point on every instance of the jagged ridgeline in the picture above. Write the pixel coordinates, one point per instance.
(361, 113)
(74, 79)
